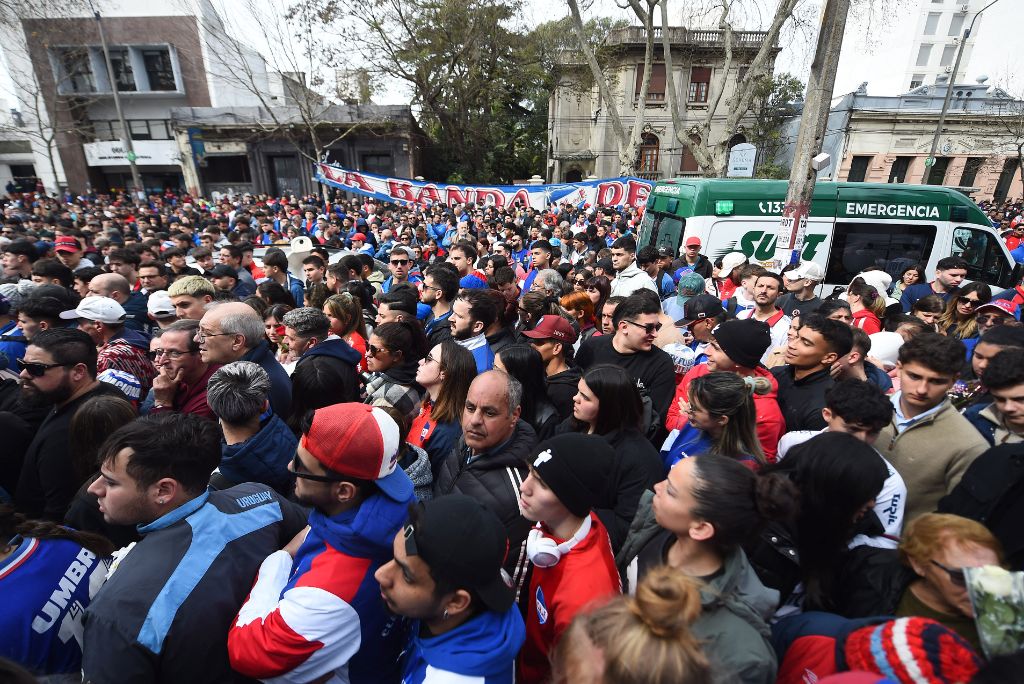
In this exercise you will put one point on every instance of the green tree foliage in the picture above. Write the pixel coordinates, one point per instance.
(772, 106)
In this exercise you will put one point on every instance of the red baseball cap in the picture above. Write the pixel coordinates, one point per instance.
(692, 241)
(359, 236)
(552, 327)
(66, 243)
(1004, 305)
(360, 441)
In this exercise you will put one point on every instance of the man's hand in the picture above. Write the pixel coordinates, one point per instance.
(165, 384)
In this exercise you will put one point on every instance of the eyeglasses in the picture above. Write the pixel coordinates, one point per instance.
(298, 471)
(956, 575)
(202, 335)
(169, 353)
(37, 370)
(430, 359)
(650, 328)
(967, 301)
(399, 262)
(994, 319)
(371, 350)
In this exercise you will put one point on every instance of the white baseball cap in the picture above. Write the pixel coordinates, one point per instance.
(731, 261)
(160, 305)
(807, 270)
(102, 309)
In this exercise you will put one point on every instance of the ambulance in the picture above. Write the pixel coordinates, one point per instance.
(851, 226)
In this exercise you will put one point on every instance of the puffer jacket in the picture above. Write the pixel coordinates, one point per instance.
(735, 608)
(493, 478)
(416, 465)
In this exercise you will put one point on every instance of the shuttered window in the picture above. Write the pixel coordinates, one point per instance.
(700, 80)
(656, 89)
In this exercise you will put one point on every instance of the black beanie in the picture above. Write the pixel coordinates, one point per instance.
(577, 468)
(744, 341)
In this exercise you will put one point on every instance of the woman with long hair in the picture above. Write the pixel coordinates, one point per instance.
(274, 293)
(580, 306)
(345, 314)
(929, 309)
(40, 559)
(608, 404)
(580, 277)
(838, 477)
(911, 275)
(445, 374)
(598, 288)
(362, 293)
(867, 304)
(525, 364)
(273, 324)
(533, 306)
(642, 639)
(392, 357)
(721, 420)
(958, 320)
(696, 523)
(319, 382)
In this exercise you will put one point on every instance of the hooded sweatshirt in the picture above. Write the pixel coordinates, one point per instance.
(322, 612)
(264, 457)
(126, 352)
(480, 651)
(340, 355)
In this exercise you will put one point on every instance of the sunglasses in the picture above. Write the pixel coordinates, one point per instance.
(650, 328)
(298, 471)
(399, 262)
(956, 575)
(37, 370)
(581, 281)
(967, 301)
(997, 319)
(372, 350)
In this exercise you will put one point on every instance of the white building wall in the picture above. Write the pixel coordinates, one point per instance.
(934, 48)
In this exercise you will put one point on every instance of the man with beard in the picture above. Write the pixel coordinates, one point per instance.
(440, 286)
(59, 369)
(473, 312)
(315, 612)
(767, 288)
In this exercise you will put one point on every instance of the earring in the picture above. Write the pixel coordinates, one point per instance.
(445, 615)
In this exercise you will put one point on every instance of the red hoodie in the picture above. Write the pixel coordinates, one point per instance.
(770, 423)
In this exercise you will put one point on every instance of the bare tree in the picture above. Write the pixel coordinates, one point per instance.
(1010, 124)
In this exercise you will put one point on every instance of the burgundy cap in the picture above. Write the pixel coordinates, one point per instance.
(552, 327)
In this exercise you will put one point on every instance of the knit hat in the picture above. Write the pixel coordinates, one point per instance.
(912, 650)
(744, 341)
(577, 468)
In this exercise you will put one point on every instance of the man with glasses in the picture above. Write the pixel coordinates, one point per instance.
(233, 331)
(400, 264)
(58, 370)
(182, 375)
(153, 278)
(118, 348)
(636, 324)
(315, 612)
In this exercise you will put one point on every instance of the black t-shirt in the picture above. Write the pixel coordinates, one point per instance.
(653, 370)
(791, 306)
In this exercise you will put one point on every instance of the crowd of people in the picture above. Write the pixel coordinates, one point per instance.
(285, 440)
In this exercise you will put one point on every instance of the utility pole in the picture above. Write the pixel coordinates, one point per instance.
(126, 135)
(930, 161)
(790, 237)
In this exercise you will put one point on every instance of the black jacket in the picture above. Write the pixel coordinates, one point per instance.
(637, 468)
(339, 355)
(871, 582)
(801, 400)
(47, 481)
(493, 478)
(501, 339)
(562, 387)
(992, 492)
(703, 267)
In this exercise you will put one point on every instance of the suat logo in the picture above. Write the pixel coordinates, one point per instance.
(759, 245)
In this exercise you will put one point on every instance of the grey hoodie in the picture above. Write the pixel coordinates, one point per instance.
(736, 607)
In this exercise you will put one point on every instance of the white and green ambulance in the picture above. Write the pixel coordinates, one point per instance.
(851, 226)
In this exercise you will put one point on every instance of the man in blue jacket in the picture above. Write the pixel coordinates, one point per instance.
(447, 575)
(164, 613)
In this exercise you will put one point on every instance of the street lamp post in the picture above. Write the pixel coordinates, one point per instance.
(930, 161)
(126, 135)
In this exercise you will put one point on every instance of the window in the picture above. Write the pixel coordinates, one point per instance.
(916, 81)
(700, 80)
(984, 257)
(139, 130)
(656, 89)
(859, 169)
(931, 23)
(76, 71)
(971, 168)
(688, 163)
(937, 172)
(159, 129)
(855, 246)
(121, 66)
(649, 148)
(948, 53)
(898, 172)
(956, 24)
(1005, 178)
(159, 69)
(923, 53)
(379, 163)
(228, 169)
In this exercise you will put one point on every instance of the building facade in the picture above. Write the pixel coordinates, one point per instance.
(888, 139)
(937, 36)
(581, 140)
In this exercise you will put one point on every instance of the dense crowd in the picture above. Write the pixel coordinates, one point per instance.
(283, 439)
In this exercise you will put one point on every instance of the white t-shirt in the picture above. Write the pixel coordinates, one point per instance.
(890, 502)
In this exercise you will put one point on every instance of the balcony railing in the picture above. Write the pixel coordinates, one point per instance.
(649, 175)
(679, 35)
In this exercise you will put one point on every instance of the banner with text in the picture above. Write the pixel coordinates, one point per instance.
(607, 192)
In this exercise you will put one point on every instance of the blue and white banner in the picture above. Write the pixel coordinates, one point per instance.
(608, 192)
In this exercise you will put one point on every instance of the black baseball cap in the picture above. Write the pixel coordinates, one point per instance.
(22, 246)
(222, 270)
(464, 542)
(702, 306)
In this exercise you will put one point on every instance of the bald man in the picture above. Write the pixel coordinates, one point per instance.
(233, 331)
(117, 287)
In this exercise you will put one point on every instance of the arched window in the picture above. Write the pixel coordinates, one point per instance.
(648, 162)
(573, 176)
(737, 139)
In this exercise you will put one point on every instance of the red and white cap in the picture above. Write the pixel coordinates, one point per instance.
(360, 441)
(1004, 305)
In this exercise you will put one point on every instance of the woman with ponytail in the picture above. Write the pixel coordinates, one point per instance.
(641, 639)
(722, 420)
(867, 304)
(42, 559)
(695, 523)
